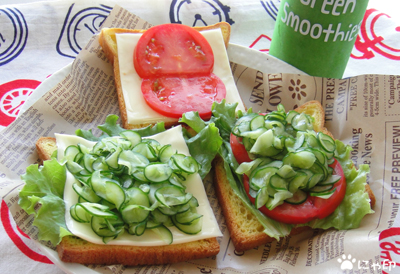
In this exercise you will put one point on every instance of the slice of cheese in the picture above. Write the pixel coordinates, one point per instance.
(194, 184)
(138, 111)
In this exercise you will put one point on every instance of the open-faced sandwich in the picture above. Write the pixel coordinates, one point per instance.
(283, 172)
(170, 69)
(131, 197)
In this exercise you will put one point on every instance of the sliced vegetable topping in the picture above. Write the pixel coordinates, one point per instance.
(126, 183)
(175, 63)
(288, 168)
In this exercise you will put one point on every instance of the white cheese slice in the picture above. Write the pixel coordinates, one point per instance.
(138, 111)
(194, 185)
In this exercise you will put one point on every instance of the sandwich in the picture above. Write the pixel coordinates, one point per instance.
(154, 68)
(280, 173)
(130, 197)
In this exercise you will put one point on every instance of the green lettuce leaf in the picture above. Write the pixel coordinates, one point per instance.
(204, 146)
(44, 188)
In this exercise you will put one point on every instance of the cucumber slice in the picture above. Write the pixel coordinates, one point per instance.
(86, 192)
(112, 159)
(314, 180)
(164, 233)
(98, 210)
(326, 142)
(330, 180)
(79, 214)
(298, 181)
(253, 134)
(157, 172)
(256, 122)
(302, 122)
(187, 217)
(132, 137)
(278, 183)
(71, 152)
(104, 227)
(159, 217)
(134, 213)
(264, 145)
(146, 150)
(193, 228)
(136, 208)
(301, 159)
(73, 167)
(324, 195)
(320, 189)
(108, 189)
(185, 163)
(299, 197)
(243, 124)
(290, 115)
(278, 199)
(137, 228)
(132, 160)
(286, 171)
(172, 196)
(166, 153)
(88, 160)
(262, 197)
(261, 176)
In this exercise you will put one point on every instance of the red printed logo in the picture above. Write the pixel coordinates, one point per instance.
(12, 96)
(389, 242)
(16, 235)
(379, 34)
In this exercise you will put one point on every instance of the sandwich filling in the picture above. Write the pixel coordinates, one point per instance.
(134, 217)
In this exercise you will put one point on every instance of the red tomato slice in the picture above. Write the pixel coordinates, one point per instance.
(238, 149)
(172, 49)
(172, 96)
(312, 208)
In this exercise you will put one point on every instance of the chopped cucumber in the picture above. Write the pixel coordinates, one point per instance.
(126, 183)
(290, 160)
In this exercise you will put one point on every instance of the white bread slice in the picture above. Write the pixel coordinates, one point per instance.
(108, 42)
(245, 230)
(75, 250)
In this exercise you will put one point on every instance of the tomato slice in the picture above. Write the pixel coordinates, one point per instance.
(238, 149)
(313, 208)
(172, 49)
(172, 96)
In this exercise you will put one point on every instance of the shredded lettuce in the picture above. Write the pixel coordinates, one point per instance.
(44, 185)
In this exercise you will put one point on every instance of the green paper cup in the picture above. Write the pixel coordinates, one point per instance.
(317, 36)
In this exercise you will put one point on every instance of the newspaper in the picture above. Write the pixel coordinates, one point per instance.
(362, 111)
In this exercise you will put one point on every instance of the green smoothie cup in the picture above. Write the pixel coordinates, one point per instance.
(317, 36)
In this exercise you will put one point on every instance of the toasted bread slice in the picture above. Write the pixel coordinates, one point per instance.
(75, 250)
(108, 42)
(245, 230)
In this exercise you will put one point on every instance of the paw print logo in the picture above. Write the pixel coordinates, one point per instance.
(298, 89)
(346, 262)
